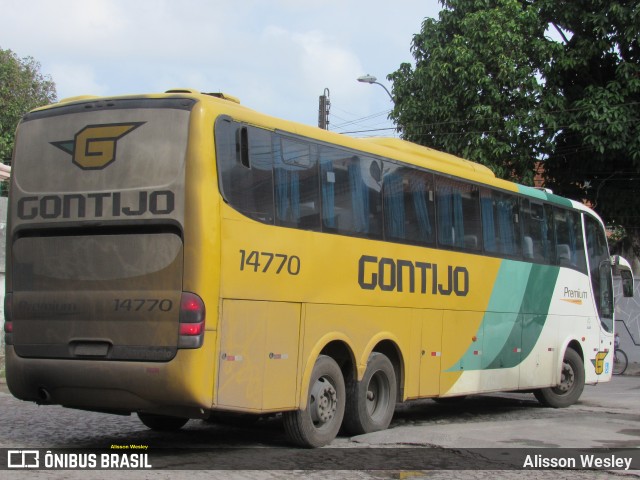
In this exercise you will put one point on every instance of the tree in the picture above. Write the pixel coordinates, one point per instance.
(489, 84)
(596, 153)
(477, 88)
(22, 88)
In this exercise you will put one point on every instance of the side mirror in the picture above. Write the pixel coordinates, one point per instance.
(623, 268)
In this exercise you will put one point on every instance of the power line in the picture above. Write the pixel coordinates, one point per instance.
(477, 120)
(360, 120)
(370, 130)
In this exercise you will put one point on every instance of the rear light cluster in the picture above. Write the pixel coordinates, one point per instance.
(8, 319)
(192, 316)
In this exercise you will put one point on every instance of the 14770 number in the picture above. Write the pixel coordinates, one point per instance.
(266, 261)
(142, 304)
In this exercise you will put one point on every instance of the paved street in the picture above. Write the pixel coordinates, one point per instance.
(607, 416)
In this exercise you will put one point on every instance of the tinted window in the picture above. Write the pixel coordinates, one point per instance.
(351, 193)
(296, 184)
(569, 242)
(537, 242)
(409, 207)
(245, 158)
(600, 271)
(500, 223)
(458, 214)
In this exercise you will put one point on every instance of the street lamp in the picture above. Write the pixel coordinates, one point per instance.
(371, 79)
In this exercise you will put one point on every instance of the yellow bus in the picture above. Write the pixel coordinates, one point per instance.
(178, 255)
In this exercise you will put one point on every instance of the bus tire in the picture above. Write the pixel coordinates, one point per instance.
(371, 401)
(319, 423)
(568, 391)
(162, 423)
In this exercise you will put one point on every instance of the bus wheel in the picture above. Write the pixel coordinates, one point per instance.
(319, 423)
(162, 423)
(568, 391)
(371, 402)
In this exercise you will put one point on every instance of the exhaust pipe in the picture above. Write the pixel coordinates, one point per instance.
(43, 396)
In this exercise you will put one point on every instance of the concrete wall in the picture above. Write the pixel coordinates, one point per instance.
(628, 319)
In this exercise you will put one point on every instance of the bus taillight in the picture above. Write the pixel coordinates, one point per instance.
(192, 316)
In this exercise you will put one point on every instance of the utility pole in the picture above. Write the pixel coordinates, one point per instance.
(323, 111)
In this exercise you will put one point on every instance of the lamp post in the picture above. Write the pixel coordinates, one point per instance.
(371, 79)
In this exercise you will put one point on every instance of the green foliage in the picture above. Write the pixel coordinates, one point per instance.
(597, 150)
(491, 85)
(22, 88)
(476, 89)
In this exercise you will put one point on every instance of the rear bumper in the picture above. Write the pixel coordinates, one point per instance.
(181, 387)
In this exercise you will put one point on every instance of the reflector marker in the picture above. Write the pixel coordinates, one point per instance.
(232, 358)
(436, 354)
(278, 356)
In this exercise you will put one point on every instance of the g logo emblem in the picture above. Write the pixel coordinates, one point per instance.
(598, 362)
(94, 147)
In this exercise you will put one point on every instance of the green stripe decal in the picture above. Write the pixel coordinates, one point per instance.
(540, 288)
(543, 195)
(532, 192)
(515, 316)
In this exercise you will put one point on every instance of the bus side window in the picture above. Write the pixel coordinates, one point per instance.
(500, 223)
(296, 184)
(458, 214)
(569, 242)
(538, 239)
(408, 205)
(245, 159)
(351, 193)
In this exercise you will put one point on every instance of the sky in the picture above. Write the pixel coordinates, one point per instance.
(276, 56)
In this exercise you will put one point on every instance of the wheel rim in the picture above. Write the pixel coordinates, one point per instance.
(567, 379)
(323, 402)
(377, 394)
